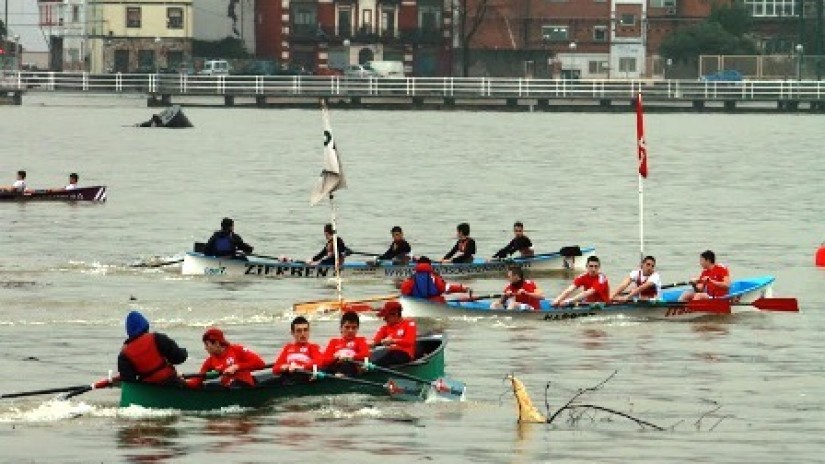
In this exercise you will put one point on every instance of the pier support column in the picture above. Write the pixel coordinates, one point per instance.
(17, 98)
(229, 100)
(605, 103)
(418, 102)
(166, 99)
(730, 106)
(542, 104)
(512, 102)
(449, 102)
(699, 105)
(260, 101)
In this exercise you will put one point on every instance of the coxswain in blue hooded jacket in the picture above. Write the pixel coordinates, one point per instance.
(424, 283)
(148, 356)
(225, 242)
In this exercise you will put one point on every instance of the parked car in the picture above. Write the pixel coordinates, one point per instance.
(387, 68)
(259, 68)
(215, 68)
(726, 75)
(360, 70)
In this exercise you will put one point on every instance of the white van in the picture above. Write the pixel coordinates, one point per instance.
(215, 68)
(387, 68)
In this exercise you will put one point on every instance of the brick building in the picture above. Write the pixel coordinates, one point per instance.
(319, 34)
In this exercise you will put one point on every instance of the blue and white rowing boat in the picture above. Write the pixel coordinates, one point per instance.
(195, 263)
(668, 308)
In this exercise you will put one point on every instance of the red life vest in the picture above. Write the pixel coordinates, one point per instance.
(150, 365)
(650, 292)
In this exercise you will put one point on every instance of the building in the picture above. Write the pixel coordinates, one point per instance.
(63, 23)
(138, 36)
(615, 38)
(321, 34)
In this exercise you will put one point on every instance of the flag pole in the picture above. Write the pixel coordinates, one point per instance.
(335, 251)
(641, 152)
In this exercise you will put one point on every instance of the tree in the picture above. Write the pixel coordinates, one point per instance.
(2, 28)
(723, 33)
(471, 14)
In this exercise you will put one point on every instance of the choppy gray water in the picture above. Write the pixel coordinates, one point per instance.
(745, 186)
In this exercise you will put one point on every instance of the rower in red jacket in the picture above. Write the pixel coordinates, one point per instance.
(713, 282)
(594, 285)
(522, 293)
(235, 363)
(300, 355)
(149, 357)
(398, 335)
(348, 347)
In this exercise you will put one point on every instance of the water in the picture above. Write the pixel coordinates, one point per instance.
(746, 186)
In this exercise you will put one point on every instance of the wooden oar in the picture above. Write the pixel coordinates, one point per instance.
(442, 386)
(676, 284)
(308, 307)
(764, 304)
(99, 384)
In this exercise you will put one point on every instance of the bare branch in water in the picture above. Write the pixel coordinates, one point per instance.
(578, 394)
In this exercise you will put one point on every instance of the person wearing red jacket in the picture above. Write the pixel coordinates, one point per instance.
(594, 285)
(424, 283)
(523, 294)
(713, 282)
(348, 347)
(235, 363)
(149, 357)
(398, 336)
(300, 355)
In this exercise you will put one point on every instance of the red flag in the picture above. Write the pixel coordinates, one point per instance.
(641, 146)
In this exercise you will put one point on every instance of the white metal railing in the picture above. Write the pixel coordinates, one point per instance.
(444, 87)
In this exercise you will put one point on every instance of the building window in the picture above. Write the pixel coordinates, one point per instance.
(663, 3)
(174, 18)
(628, 19)
(600, 34)
(133, 16)
(597, 67)
(429, 18)
(146, 61)
(554, 33)
(304, 20)
(345, 21)
(75, 13)
(388, 21)
(366, 21)
(627, 65)
(771, 8)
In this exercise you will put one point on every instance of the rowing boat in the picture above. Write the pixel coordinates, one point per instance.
(668, 308)
(429, 366)
(95, 193)
(195, 263)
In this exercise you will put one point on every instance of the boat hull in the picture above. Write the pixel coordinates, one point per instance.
(95, 194)
(429, 367)
(195, 263)
(668, 308)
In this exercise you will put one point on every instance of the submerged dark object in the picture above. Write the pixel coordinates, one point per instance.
(170, 118)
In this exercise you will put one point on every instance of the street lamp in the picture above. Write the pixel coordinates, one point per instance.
(157, 54)
(572, 60)
(800, 50)
(667, 69)
(346, 45)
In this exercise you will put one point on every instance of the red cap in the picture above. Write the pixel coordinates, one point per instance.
(216, 335)
(389, 308)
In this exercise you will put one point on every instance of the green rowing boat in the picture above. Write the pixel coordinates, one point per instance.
(429, 365)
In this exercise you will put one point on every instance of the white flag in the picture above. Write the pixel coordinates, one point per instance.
(332, 177)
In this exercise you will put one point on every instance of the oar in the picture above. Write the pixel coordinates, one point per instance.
(392, 386)
(676, 284)
(99, 384)
(764, 304)
(158, 264)
(442, 386)
(488, 296)
(364, 253)
(307, 307)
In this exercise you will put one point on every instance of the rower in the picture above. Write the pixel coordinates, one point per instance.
(646, 283)
(73, 178)
(464, 248)
(713, 282)
(520, 243)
